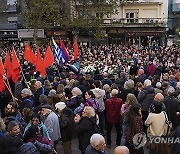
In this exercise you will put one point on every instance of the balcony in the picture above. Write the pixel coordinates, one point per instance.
(142, 2)
(135, 22)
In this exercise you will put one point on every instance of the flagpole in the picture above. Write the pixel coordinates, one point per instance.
(25, 81)
(56, 62)
(7, 85)
(57, 69)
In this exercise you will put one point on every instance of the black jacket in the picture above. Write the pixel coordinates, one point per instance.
(36, 96)
(145, 97)
(85, 129)
(66, 121)
(172, 106)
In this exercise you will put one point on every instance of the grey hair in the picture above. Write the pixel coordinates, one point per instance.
(114, 92)
(170, 91)
(147, 82)
(159, 97)
(39, 83)
(77, 90)
(96, 139)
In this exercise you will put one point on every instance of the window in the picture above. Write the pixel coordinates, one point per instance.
(12, 20)
(132, 16)
(99, 15)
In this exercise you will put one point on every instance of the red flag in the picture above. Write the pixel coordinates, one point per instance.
(8, 66)
(15, 67)
(29, 54)
(76, 54)
(2, 86)
(39, 63)
(48, 58)
(63, 48)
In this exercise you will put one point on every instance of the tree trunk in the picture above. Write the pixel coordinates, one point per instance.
(35, 35)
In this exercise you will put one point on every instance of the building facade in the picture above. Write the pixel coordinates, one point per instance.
(174, 22)
(139, 22)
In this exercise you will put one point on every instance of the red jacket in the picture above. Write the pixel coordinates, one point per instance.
(151, 69)
(112, 112)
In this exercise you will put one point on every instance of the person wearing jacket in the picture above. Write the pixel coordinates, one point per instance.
(90, 101)
(172, 107)
(27, 100)
(135, 125)
(39, 90)
(33, 135)
(113, 116)
(35, 120)
(66, 122)
(52, 123)
(76, 99)
(145, 98)
(99, 97)
(85, 127)
(97, 145)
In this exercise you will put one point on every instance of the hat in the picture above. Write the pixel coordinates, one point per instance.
(27, 92)
(52, 92)
(60, 105)
(46, 106)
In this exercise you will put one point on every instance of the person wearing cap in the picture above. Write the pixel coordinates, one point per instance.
(51, 122)
(66, 121)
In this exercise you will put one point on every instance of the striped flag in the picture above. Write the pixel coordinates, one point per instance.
(60, 55)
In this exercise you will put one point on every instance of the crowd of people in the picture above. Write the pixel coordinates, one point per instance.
(135, 89)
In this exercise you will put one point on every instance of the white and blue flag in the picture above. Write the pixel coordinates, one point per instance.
(59, 54)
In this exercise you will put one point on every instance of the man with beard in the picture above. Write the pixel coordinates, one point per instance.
(12, 113)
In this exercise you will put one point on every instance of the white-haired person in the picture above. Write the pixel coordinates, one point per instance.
(85, 127)
(172, 107)
(39, 89)
(113, 116)
(66, 121)
(145, 98)
(158, 88)
(26, 99)
(76, 99)
(121, 150)
(97, 145)
(177, 92)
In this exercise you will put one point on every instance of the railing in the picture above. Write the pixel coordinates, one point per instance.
(134, 21)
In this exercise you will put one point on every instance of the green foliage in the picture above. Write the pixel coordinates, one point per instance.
(42, 13)
(88, 14)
